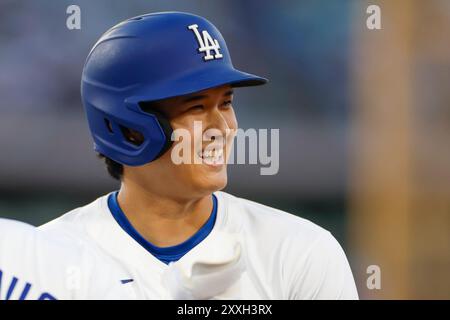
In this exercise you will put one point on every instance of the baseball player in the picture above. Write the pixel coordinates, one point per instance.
(146, 80)
(36, 266)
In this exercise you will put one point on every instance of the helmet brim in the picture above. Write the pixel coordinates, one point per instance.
(197, 81)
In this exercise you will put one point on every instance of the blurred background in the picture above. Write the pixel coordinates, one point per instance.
(364, 119)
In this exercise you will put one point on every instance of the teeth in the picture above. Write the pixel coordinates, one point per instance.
(211, 155)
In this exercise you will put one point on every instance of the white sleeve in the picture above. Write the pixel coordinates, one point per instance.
(321, 273)
(38, 266)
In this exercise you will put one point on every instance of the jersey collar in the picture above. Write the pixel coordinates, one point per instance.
(164, 254)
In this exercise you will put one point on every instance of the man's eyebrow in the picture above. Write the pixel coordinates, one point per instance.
(200, 97)
(194, 98)
(228, 93)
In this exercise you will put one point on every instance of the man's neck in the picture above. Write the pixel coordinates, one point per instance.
(163, 221)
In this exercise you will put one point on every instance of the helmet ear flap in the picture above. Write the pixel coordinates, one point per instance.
(131, 137)
(167, 129)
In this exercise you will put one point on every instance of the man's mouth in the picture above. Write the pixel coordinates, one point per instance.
(212, 157)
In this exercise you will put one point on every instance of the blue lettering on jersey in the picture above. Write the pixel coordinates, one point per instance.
(125, 281)
(46, 296)
(13, 287)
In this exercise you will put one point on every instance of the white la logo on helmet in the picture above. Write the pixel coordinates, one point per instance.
(207, 43)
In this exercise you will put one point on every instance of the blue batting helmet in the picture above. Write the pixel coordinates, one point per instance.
(148, 58)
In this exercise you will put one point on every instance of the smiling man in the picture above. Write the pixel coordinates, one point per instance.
(146, 83)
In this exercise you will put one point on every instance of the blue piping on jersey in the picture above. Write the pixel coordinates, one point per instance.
(164, 254)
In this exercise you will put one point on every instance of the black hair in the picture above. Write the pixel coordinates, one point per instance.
(114, 168)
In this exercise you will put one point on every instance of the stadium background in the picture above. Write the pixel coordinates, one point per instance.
(364, 120)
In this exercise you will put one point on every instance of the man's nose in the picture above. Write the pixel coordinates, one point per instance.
(216, 120)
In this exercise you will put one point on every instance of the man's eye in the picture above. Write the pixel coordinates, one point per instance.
(227, 103)
(196, 108)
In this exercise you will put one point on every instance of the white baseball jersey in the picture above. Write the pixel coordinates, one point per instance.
(37, 266)
(251, 252)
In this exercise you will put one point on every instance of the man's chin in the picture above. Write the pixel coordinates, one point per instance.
(212, 184)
